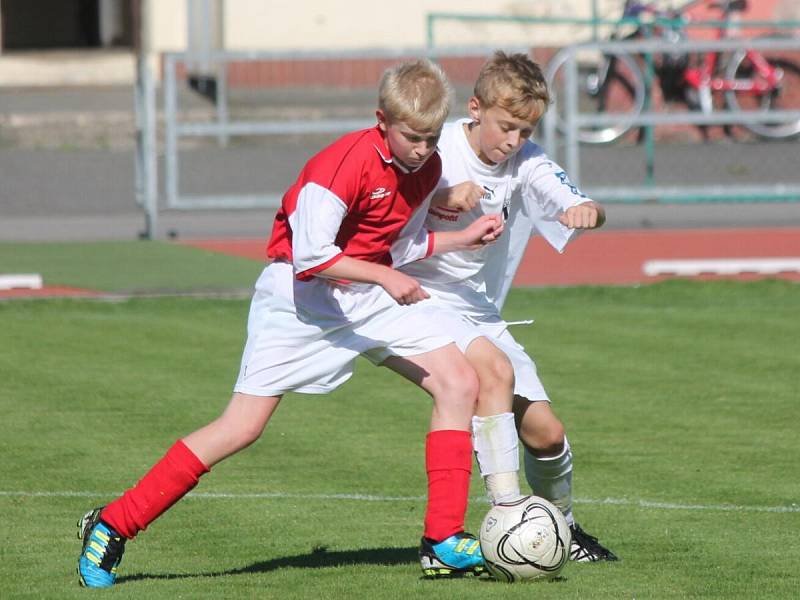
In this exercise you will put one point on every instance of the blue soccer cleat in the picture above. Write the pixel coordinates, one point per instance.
(457, 556)
(102, 551)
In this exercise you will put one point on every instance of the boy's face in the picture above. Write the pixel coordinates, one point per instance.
(410, 147)
(497, 134)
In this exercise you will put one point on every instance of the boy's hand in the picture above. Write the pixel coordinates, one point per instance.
(484, 230)
(464, 196)
(404, 289)
(588, 215)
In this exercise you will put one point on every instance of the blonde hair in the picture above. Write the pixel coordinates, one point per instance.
(513, 82)
(417, 93)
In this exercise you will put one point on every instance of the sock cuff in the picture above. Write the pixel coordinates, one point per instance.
(479, 422)
(185, 460)
(448, 449)
(549, 466)
(566, 451)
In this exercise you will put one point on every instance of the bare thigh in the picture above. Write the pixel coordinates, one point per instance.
(447, 376)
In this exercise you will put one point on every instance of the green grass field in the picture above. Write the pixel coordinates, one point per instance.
(680, 399)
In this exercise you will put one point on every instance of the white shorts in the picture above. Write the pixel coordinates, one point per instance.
(484, 318)
(526, 380)
(305, 336)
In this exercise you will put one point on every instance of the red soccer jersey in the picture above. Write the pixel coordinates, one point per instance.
(351, 199)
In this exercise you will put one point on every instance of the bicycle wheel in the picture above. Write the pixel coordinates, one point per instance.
(786, 96)
(607, 84)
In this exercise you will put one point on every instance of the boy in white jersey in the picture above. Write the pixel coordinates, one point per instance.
(491, 167)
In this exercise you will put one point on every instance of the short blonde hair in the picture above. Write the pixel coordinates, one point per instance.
(417, 93)
(513, 82)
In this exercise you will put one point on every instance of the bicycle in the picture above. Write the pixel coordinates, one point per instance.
(614, 83)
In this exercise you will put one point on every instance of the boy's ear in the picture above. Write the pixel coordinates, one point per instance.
(381, 120)
(474, 109)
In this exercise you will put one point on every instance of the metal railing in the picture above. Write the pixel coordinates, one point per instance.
(573, 120)
(221, 126)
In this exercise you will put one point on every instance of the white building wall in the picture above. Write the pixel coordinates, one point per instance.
(368, 24)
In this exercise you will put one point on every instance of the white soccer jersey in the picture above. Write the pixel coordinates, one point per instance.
(529, 190)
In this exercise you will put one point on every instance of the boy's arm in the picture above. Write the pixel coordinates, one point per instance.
(401, 287)
(315, 224)
(485, 230)
(556, 207)
(405, 289)
(416, 242)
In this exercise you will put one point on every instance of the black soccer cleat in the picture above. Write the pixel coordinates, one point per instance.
(586, 548)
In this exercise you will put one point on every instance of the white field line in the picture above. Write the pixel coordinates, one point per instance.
(793, 508)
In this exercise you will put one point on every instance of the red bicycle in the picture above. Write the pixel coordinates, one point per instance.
(744, 80)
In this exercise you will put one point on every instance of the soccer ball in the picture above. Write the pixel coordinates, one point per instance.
(525, 539)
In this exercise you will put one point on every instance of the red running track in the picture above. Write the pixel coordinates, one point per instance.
(595, 258)
(613, 257)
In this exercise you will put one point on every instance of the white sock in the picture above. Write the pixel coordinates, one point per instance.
(497, 451)
(551, 478)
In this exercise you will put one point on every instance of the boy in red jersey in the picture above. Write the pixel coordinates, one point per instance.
(329, 295)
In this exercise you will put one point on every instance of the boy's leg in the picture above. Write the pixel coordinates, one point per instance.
(104, 531)
(548, 469)
(493, 431)
(445, 374)
(548, 460)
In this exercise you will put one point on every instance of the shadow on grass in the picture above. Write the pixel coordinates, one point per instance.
(318, 558)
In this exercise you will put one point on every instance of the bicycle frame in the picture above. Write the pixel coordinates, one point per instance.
(703, 78)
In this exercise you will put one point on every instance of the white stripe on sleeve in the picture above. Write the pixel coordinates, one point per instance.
(315, 223)
(414, 241)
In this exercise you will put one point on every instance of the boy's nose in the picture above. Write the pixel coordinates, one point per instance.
(513, 138)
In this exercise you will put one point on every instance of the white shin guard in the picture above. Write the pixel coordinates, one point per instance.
(497, 451)
(551, 478)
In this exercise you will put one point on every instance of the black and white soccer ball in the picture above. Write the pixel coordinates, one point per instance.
(525, 539)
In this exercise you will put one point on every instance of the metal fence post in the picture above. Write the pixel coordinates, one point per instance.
(170, 131)
(572, 151)
(146, 149)
(146, 161)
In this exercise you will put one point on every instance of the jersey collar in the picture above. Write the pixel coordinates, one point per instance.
(386, 156)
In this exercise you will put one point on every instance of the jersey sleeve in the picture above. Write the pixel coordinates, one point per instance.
(315, 224)
(415, 241)
(547, 193)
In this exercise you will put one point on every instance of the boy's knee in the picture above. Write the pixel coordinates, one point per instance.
(552, 443)
(499, 372)
(544, 439)
(494, 369)
(240, 432)
(461, 384)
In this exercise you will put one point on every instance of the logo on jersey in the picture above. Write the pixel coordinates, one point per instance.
(444, 214)
(489, 195)
(562, 176)
(379, 193)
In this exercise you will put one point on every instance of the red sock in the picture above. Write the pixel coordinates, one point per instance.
(448, 461)
(168, 481)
